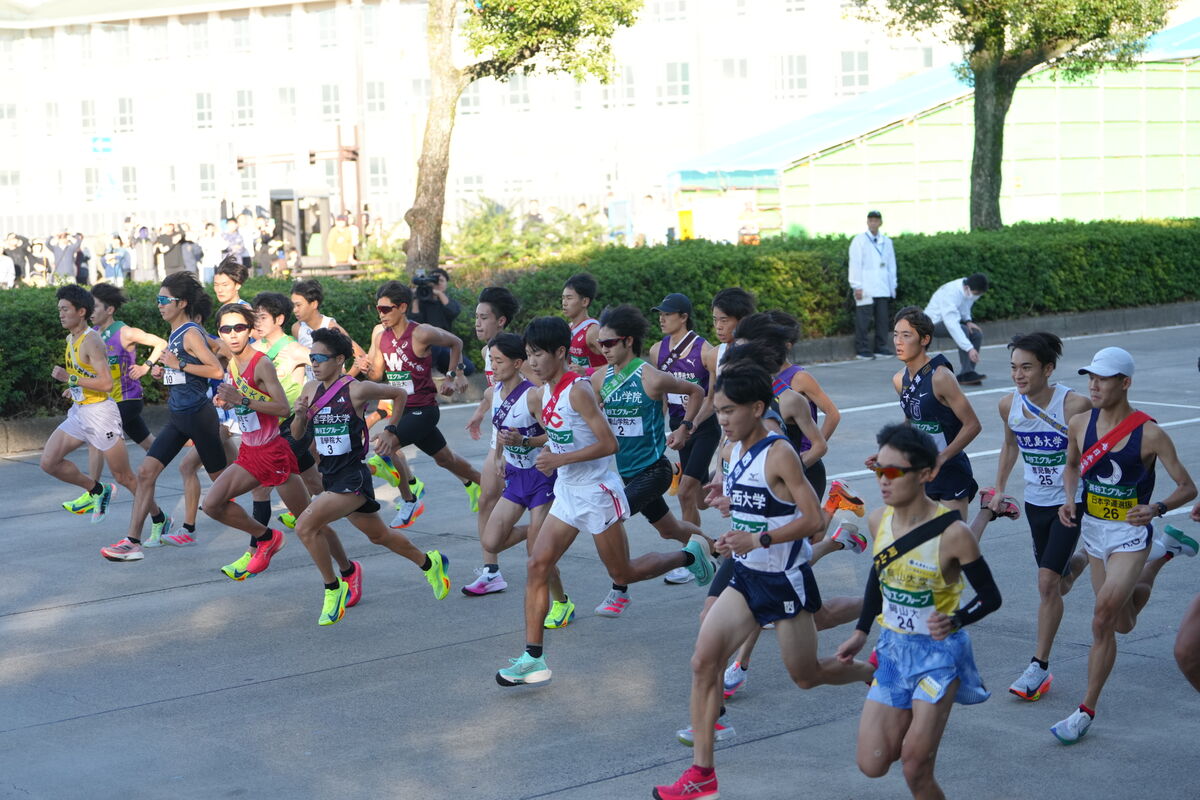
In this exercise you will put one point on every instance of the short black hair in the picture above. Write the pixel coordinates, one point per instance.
(1045, 346)
(583, 285)
(236, 308)
(503, 303)
(548, 334)
(511, 345)
(745, 382)
(203, 308)
(916, 445)
(626, 320)
(770, 354)
(397, 292)
(310, 289)
(335, 341)
(789, 323)
(735, 302)
(110, 295)
(234, 269)
(916, 316)
(79, 297)
(434, 273)
(273, 303)
(977, 282)
(186, 287)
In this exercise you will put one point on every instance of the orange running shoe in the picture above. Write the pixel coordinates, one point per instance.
(840, 499)
(677, 473)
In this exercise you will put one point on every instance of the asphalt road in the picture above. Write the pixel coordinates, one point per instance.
(162, 678)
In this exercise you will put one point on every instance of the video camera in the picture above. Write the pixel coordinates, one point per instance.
(424, 286)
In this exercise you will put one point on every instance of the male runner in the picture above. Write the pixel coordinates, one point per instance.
(493, 313)
(774, 514)
(334, 404)
(515, 415)
(578, 294)
(93, 419)
(185, 368)
(1114, 449)
(228, 279)
(120, 341)
(631, 393)
(588, 496)
(729, 307)
(1035, 419)
(400, 355)
(922, 551)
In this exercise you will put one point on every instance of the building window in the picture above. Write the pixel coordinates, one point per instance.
(8, 117)
(419, 96)
(621, 92)
(195, 36)
(129, 182)
(52, 117)
(10, 179)
(238, 34)
(331, 105)
(331, 174)
(281, 32)
(204, 110)
(171, 179)
(124, 123)
(42, 40)
(377, 179)
(326, 22)
(208, 181)
(8, 48)
(370, 23)
(518, 93)
(79, 41)
(154, 40)
(249, 181)
(794, 6)
(118, 42)
(793, 77)
(87, 116)
(670, 10)
(676, 89)
(91, 183)
(853, 76)
(735, 69)
(243, 114)
(376, 103)
(470, 100)
(286, 97)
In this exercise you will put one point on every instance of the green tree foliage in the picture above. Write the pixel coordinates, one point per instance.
(492, 234)
(1002, 40)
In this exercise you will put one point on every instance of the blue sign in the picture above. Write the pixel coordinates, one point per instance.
(101, 144)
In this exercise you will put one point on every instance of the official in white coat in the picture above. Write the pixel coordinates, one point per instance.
(872, 277)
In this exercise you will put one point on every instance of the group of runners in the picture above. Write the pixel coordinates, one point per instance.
(583, 415)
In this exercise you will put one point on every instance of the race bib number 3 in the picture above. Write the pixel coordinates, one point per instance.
(332, 439)
(907, 611)
(174, 377)
(401, 379)
(626, 426)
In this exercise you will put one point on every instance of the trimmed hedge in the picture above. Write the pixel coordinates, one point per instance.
(1034, 269)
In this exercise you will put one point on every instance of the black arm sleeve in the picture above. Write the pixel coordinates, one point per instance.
(987, 597)
(872, 602)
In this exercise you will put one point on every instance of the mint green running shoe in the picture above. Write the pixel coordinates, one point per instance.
(1179, 543)
(100, 506)
(702, 564)
(523, 670)
(157, 531)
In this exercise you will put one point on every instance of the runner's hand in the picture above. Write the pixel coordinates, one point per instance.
(59, 374)
(363, 363)
(851, 647)
(678, 438)
(472, 426)
(169, 359)
(1195, 515)
(385, 443)
(715, 497)
(547, 463)
(509, 437)
(156, 372)
(1140, 515)
(138, 371)
(460, 383)
(940, 626)
(1066, 513)
(229, 394)
(997, 504)
(302, 404)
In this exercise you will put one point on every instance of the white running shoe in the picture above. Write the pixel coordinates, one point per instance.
(614, 604)
(1033, 683)
(722, 730)
(1178, 543)
(679, 575)
(485, 583)
(735, 678)
(1073, 728)
(850, 538)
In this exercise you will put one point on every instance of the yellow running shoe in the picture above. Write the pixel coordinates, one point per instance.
(287, 520)
(436, 574)
(237, 570)
(473, 491)
(82, 504)
(383, 469)
(335, 604)
(560, 615)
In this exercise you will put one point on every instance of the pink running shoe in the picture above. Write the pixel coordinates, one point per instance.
(692, 785)
(354, 581)
(1009, 508)
(123, 550)
(264, 552)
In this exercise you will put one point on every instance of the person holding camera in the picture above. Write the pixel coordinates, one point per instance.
(433, 306)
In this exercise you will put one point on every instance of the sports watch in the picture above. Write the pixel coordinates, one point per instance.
(765, 540)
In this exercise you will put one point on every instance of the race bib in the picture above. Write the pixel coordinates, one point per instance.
(247, 420)
(1110, 502)
(77, 393)
(174, 377)
(907, 611)
(677, 399)
(401, 379)
(626, 426)
(332, 439)
(520, 457)
(932, 427)
(560, 441)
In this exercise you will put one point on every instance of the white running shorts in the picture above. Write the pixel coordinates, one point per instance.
(98, 424)
(593, 508)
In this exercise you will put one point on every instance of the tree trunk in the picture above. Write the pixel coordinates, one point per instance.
(446, 86)
(994, 88)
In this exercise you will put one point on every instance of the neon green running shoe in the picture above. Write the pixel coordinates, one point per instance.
(473, 491)
(383, 469)
(237, 570)
(335, 604)
(560, 615)
(287, 520)
(80, 505)
(418, 487)
(436, 574)
(157, 531)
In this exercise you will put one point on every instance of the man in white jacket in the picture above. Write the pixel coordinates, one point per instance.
(950, 310)
(873, 281)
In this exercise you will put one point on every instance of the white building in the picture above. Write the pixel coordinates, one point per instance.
(144, 107)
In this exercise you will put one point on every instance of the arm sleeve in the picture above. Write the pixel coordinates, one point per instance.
(872, 602)
(987, 597)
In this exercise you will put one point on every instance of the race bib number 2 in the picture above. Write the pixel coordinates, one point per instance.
(626, 426)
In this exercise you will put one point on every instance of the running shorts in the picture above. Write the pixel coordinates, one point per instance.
(644, 491)
(202, 428)
(773, 596)
(132, 422)
(354, 479)
(914, 666)
(593, 508)
(98, 424)
(528, 488)
(271, 464)
(1053, 542)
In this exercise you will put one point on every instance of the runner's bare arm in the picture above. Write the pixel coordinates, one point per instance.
(1156, 443)
(376, 355)
(355, 368)
(794, 407)
(267, 379)
(92, 354)
(197, 345)
(1008, 453)
(584, 401)
(473, 424)
(959, 554)
(1075, 430)
(946, 387)
(806, 384)
(300, 417)
(431, 336)
(136, 336)
(593, 339)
